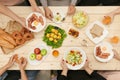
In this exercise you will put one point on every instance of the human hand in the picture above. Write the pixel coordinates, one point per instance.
(22, 63)
(37, 9)
(71, 10)
(48, 13)
(11, 62)
(116, 55)
(64, 66)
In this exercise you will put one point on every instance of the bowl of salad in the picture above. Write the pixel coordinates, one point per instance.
(80, 19)
(75, 58)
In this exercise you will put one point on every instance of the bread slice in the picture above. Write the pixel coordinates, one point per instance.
(96, 31)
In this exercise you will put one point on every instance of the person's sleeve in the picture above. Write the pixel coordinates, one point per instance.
(61, 77)
(44, 2)
(3, 76)
(74, 2)
(97, 76)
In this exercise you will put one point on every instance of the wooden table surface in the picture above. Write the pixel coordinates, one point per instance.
(52, 63)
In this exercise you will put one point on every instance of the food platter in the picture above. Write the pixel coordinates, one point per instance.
(75, 58)
(96, 32)
(35, 57)
(80, 19)
(103, 52)
(35, 22)
(54, 36)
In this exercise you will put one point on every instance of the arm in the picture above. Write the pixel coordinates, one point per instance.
(7, 66)
(22, 65)
(92, 73)
(48, 12)
(115, 12)
(23, 74)
(4, 10)
(35, 7)
(63, 75)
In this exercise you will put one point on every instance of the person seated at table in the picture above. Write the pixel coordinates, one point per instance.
(13, 75)
(87, 74)
(114, 13)
(112, 74)
(6, 11)
(48, 12)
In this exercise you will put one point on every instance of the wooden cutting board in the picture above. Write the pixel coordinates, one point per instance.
(10, 28)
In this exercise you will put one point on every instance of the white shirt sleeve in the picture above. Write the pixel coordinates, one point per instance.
(44, 2)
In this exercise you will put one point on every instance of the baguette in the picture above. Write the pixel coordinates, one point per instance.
(7, 37)
(6, 44)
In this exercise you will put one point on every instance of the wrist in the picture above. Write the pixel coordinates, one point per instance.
(64, 72)
(7, 66)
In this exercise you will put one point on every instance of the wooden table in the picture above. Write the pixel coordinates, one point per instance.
(52, 63)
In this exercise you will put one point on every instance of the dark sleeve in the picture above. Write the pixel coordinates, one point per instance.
(61, 77)
(97, 76)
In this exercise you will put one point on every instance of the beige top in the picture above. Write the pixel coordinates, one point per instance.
(58, 2)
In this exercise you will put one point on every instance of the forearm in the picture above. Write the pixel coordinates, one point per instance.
(33, 4)
(23, 75)
(88, 70)
(115, 12)
(6, 11)
(44, 3)
(3, 69)
(64, 72)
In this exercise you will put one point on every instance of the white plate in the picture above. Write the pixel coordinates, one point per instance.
(97, 39)
(109, 50)
(83, 58)
(39, 27)
(36, 62)
(61, 14)
(80, 19)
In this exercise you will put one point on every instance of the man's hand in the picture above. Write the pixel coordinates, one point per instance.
(71, 10)
(48, 13)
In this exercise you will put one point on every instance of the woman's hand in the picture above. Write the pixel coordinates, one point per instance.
(64, 68)
(37, 9)
(22, 63)
(116, 55)
(11, 62)
(71, 10)
(87, 68)
(48, 13)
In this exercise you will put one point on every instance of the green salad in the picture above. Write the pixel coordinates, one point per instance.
(74, 58)
(54, 36)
